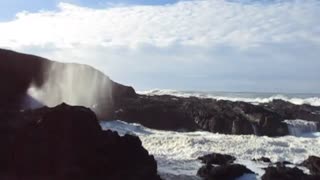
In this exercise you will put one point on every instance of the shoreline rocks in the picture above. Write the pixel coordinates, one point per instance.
(286, 173)
(218, 166)
(52, 83)
(34, 81)
(67, 143)
(217, 158)
(218, 116)
(313, 164)
(225, 172)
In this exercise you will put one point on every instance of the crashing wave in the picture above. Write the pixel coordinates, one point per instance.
(313, 100)
(299, 127)
(176, 152)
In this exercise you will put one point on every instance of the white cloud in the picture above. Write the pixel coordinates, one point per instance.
(247, 42)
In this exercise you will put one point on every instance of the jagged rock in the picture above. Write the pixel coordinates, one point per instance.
(173, 113)
(52, 83)
(286, 173)
(288, 110)
(224, 172)
(313, 164)
(216, 158)
(67, 143)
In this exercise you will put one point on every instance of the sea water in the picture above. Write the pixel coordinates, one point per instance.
(177, 152)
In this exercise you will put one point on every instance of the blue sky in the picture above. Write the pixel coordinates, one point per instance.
(222, 45)
(8, 8)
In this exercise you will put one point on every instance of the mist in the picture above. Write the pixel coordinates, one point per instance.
(74, 84)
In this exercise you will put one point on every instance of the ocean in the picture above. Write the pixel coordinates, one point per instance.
(177, 152)
(250, 97)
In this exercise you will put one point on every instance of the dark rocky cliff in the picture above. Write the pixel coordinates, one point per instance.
(51, 83)
(67, 143)
(28, 80)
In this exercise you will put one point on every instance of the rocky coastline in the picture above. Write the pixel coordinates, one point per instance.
(66, 141)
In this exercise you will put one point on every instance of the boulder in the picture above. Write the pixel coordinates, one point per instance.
(225, 172)
(216, 158)
(313, 164)
(67, 143)
(286, 173)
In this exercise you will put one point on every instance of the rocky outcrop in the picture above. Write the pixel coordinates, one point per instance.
(31, 81)
(286, 173)
(217, 158)
(288, 110)
(67, 143)
(172, 113)
(220, 166)
(51, 83)
(225, 172)
(313, 164)
(218, 116)
(17, 72)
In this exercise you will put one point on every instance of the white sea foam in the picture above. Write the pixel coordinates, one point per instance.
(254, 98)
(300, 127)
(176, 152)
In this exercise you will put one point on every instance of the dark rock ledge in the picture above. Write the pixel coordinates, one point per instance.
(220, 167)
(67, 143)
(110, 100)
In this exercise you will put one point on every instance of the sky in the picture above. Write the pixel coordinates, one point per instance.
(207, 45)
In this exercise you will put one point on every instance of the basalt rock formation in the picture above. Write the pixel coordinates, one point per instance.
(225, 172)
(313, 164)
(286, 173)
(26, 78)
(172, 113)
(67, 143)
(31, 81)
(291, 111)
(220, 166)
(217, 159)
(218, 116)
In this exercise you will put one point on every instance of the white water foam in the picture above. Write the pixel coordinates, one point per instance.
(300, 127)
(254, 99)
(176, 152)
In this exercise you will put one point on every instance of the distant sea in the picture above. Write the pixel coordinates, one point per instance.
(251, 97)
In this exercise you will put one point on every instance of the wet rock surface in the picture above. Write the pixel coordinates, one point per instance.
(227, 171)
(217, 158)
(286, 173)
(50, 84)
(67, 143)
(283, 170)
(220, 166)
(313, 164)
(218, 116)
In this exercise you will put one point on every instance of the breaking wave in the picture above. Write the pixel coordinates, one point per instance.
(301, 127)
(176, 152)
(254, 98)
